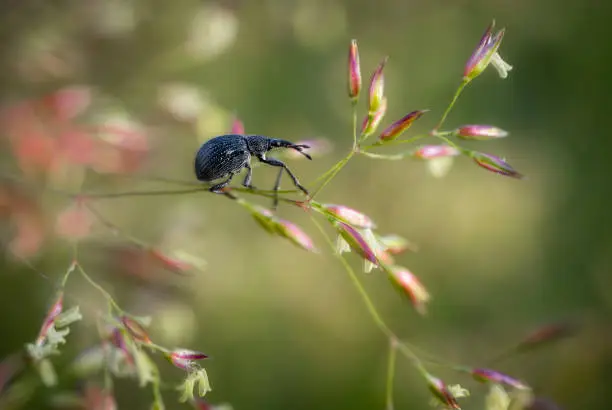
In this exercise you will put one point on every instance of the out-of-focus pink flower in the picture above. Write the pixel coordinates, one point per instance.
(441, 392)
(53, 312)
(75, 221)
(135, 329)
(435, 151)
(488, 375)
(237, 126)
(410, 285)
(295, 234)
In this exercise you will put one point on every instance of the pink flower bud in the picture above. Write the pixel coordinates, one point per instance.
(135, 329)
(482, 55)
(377, 88)
(172, 264)
(441, 392)
(117, 338)
(53, 312)
(295, 234)
(435, 151)
(394, 130)
(480, 132)
(495, 164)
(357, 242)
(184, 359)
(349, 216)
(373, 119)
(237, 126)
(410, 285)
(354, 76)
(488, 375)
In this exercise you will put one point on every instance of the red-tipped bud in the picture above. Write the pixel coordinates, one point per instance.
(482, 55)
(184, 359)
(237, 126)
(117, 338)
(356, 241)
(354, 75)
(495, 164)
(53, 312)
(173, 264)
(441, 392)
(295, 234)
(376, 91)
(488, 375)
(480, 132)
(395, 244)
(435, 151)
(394, 130)
(135, 329)
(410, 285)
(349, 216)
(373, 119)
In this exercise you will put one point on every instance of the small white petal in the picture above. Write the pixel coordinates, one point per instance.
(500, 65)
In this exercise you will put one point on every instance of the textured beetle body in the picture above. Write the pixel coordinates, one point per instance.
(221, 157)
(226, 155)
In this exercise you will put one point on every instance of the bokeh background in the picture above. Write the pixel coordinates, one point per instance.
(286, 328)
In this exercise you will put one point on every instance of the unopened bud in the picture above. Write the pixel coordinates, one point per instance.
(354, 75)
(480, 132)
(376, 91)
(373, 119)
(483, 54)
(410, 285)
(398, 127)
(295, 234)
(435, 151)
(349, 215)
(495, 164)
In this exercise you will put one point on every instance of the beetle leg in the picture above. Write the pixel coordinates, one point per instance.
(247, 179)
(276, 188)
(277, 163)
(217, 189)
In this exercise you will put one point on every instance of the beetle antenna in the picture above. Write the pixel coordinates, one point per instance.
(299, 148)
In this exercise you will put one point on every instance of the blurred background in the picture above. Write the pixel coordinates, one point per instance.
(99, 95)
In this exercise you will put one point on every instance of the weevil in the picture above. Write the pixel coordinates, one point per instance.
(225, 156)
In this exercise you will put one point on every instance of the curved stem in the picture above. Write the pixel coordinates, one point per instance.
(391, 373)
(452, 104)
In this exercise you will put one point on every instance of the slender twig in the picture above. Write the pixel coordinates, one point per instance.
(452, 104)
(391, 373)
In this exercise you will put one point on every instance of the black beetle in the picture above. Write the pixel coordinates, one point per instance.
(226, 155)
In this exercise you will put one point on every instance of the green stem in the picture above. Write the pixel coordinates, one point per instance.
(452, 104)
(395, 142)
(354, 106)
(391, 373)
(332, 173)
(99, 288)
